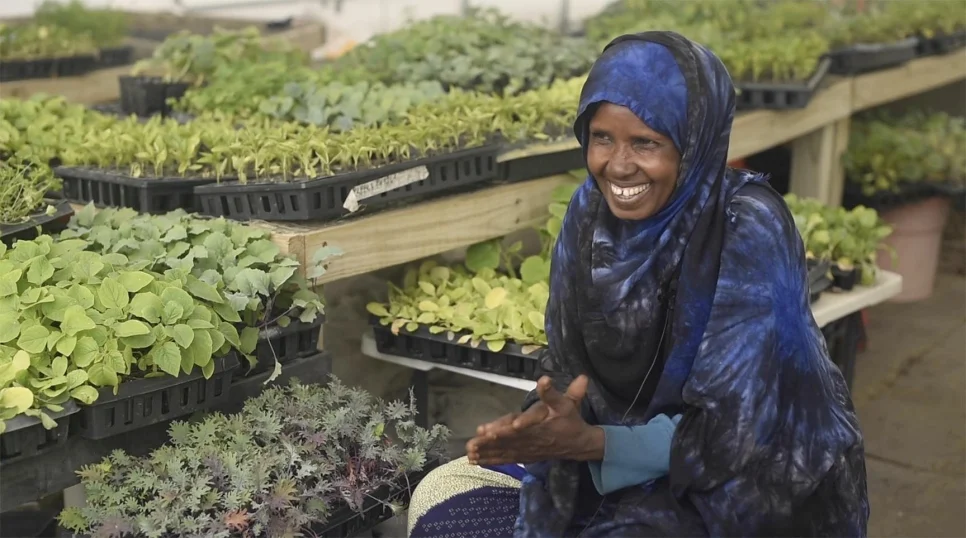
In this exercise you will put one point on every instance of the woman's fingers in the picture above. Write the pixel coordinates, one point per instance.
(537, 413)
(496, 425)
(578, 389)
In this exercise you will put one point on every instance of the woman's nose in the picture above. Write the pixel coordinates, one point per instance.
(621, 165)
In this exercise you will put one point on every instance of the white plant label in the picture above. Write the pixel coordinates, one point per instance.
(383, 184)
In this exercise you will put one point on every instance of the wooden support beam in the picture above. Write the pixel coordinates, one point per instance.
(817, 170)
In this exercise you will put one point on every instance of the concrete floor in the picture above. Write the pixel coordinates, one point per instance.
(910, 395)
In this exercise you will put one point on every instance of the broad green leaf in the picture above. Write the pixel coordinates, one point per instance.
(85, 352)
(537, 319)
(82, 295)
(283, 321)
(496, 345)
(495, 297)
(427, 288)
(183, 335)
(428, 306)
(280, 275)
(67, 345)
(230, 333)
(201, 348)
(102, 375)
(113, 294)
(173, 312)
(40, 270)
(34, 339)
(141, 341)
(85, 394)
(8, 282)
(167, 357)
(264, 249)
(217, 339)
(249, 340)
(226, 312)
(135, 281)
(75, 321)
(131, 327)
(76, 378)
(147, 306)
(19, 399)
(9, 327)
(482, 255)
(59, 366)
(203, 290)
(179, 296)
(53, 339)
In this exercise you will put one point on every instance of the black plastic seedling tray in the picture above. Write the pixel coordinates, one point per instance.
(347, 523)
(284, 344)
(510, 361)
(908, 193)
(26, 437)
(73, 66)
(115, 56)
(818, 280)
(323, 198)
(147, 96)
(842, 338)
(112, 189)
(863, 58)
(39, 223)
(780, 95)
(941, 44)
(140, 403)
(308, 370)
(538, 166)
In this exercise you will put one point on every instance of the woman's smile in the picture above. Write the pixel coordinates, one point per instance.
(630, 195)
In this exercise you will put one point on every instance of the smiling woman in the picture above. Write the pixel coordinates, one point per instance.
(687, 388)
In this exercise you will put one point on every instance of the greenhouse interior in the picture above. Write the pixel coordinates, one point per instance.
(309, 256)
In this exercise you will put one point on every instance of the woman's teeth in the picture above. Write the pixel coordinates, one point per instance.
(628, 193)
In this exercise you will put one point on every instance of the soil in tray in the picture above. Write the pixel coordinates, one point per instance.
(38, 223)
(378, 187)
(108, 188)
(510, 361)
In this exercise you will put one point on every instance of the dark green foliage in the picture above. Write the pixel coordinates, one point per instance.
(290, 459)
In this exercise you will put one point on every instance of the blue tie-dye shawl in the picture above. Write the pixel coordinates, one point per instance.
(769, 444)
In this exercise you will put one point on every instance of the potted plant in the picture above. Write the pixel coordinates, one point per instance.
(300, 460)
(276, 311)
(908, 168)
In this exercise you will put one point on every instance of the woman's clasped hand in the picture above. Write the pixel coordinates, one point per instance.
(551, 429)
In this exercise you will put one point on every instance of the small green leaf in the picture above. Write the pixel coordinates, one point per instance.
(59, 366)
(249, 340)
(201, 348)
(113, 294)
(147, 306)
(19, 399)
(85, 352)
(226, 312)
(9, 327)
(230, 333)
(183, 335)
(167, 357)
(34, 340)
(135, 281)
(131, 327)
(203, 290)
(40, 270)
(85, 394)
(173, 313)
(67, 344)
(102, 375)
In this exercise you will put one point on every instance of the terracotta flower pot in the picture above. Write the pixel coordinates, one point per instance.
(917, 230)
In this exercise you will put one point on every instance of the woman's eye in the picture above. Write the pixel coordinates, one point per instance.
(644, 143)
(600, 137)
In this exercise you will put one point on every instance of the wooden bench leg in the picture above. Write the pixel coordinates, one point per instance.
(817, 170)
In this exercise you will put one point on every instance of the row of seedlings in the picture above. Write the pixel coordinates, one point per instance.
(778, 52)
(63, 40)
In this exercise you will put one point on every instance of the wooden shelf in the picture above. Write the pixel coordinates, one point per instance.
(404, 235)
(913, 78)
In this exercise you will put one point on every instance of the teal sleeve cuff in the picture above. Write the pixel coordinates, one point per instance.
(634, 455)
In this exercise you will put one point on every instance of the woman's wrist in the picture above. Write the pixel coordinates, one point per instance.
(590, 444)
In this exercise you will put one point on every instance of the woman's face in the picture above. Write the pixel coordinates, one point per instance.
(635, 166)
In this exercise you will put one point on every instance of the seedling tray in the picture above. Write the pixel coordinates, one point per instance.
(780, 95)
(908, 193)
(308, 370)
(347, 523)
(941, 44)
(146, 96)
(41, 221)
(72, 66)
(511, 361)
(863, 58)
(284, 344)
(26, 437)
(112, 189)
(842, 338)
(143, 402)
(115, 56)
(323, 198)
(537, 166)
(818, 280)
